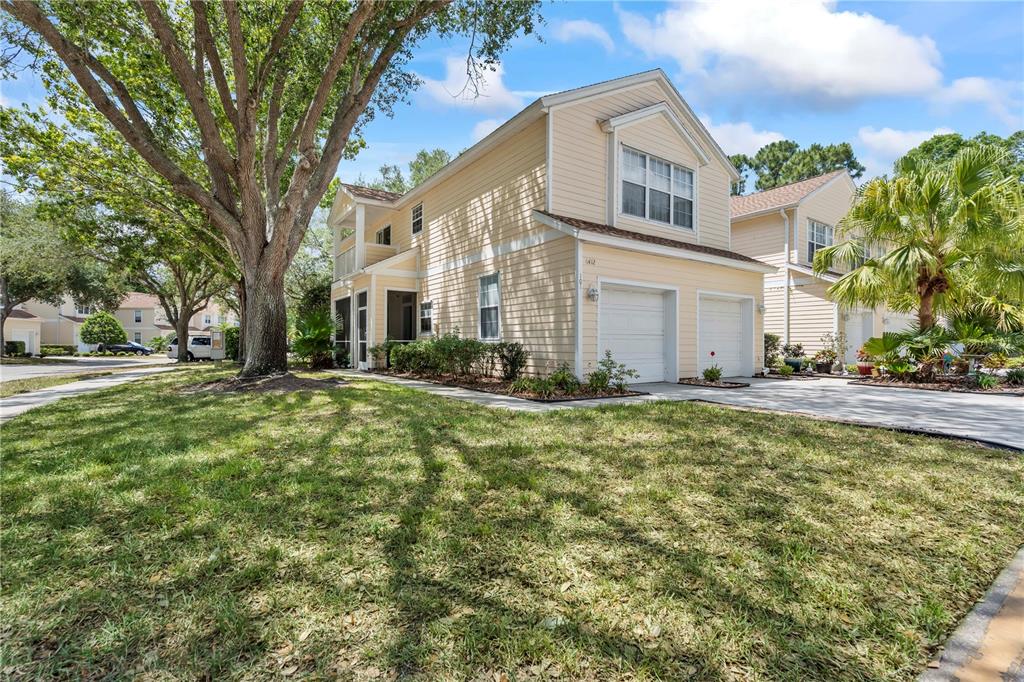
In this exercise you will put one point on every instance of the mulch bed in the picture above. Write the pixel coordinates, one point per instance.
(499, 387)
(952, 385)
(713, 384)
(275, 383)
(792, 377)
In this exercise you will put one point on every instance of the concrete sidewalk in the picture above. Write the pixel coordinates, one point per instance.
(23, 402)
(989, 644)
(993, 419)
(13, 372)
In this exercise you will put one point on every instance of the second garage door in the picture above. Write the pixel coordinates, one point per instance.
(725, 329)
(633, 327)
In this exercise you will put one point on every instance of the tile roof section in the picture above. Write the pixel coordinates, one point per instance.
(19, 314)
(371, 193)
(779, 197)
(636, 236)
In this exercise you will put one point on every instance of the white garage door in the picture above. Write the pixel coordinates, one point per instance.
(858, 330)
(633, 327)
(28, 336)
(725, 329)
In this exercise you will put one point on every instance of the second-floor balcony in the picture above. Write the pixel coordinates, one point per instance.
(346, 261)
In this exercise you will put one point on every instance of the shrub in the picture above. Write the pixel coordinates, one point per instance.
(851, 369)
(994, 360)
(103, 328)
(786, 370)
(564, 380)
(160, 343)
(1013, 363)
(598, 381)
(713, 374)
(772, 348)
(542, 388)
(513, 357)
(618, 374)
(313, 341)
(232, 346)
(57, 350)
(901, 369)
(986, 381)
(340, 356)
(14, 347)
(793, 350)
(1015, 377)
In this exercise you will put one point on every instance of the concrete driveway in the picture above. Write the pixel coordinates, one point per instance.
(76, 365)
(996, 419)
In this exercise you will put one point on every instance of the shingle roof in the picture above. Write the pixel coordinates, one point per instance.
(19, 314)
(779, 197)
(371, 193)
(650, 239)
(137, 299)
(74, 318)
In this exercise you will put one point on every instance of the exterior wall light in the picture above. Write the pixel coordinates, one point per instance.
(593, 294)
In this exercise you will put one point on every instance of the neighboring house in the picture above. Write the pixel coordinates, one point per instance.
(783, 226)
(595, 219)
(21, 325)
(213, 315)
(140, 314)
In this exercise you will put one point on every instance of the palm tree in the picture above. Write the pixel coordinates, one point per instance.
(953, 237)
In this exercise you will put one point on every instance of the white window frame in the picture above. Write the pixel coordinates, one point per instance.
(480, 308)
(138, 337)
(137, 316)
(830, 237)
(207, 319)
(675, 167)
(417, 217)
(377, 237)
(430, 309)
(85, 310)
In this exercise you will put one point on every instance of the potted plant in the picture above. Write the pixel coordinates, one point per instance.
(865, 363)
(823, 360)
(793, 354)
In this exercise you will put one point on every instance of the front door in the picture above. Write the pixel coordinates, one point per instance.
(343, 329)
(361, 329)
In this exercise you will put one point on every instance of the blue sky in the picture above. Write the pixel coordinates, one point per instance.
(880, 75)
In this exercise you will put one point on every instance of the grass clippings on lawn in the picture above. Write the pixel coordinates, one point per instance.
(376, 531)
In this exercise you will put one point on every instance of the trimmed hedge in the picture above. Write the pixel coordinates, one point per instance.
(452, 355)
(56, 350)
(14, 347)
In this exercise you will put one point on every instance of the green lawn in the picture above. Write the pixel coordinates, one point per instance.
(375, 531)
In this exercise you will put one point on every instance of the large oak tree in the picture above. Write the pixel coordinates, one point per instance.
(246, 108)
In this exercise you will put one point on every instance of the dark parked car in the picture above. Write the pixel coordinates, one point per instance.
(129, 347)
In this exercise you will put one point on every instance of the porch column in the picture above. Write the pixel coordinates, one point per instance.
(360, 237)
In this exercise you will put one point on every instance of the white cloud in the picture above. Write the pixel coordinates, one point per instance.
(800, 47)
(1001, 98)
(485, 127)
(583, 29)
(891, 144)
(740, 138)
(455, 90)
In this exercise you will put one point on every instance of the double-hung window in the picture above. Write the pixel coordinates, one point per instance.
(490, 302)
(84, 310)
(819, 235)
(426, 317)
(656, 189)
(384, 236)
(207, 319)
(138, 316)
(417, 218)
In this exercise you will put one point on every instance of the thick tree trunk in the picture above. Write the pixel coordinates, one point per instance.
(926, 312)
(242, 336)
(3, 321)
(265, 323)
(181, 329)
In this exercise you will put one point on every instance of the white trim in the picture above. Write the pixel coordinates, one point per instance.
(506, 248)
(672, 227)
(647, 247)
(671, 350)
(479, 308)
(752, 304)
(354, 360)
(371, 338)
(579, 309)
(825, 277)
(360, 236)
(614, 191)
(415, 308)
(659, 109)
(550, 154)
(419, 318)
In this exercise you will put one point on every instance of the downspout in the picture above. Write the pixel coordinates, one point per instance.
(785, 274)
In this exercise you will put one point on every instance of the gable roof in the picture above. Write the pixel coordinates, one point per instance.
(137, 299)
(371, 193)
(784, 196)
(610, 231)
(19, 314)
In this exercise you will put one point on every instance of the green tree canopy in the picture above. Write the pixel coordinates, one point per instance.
(246, 109)
(391, 179)
(102, 327)
(943, 237)
(942, 148)
(783, 162)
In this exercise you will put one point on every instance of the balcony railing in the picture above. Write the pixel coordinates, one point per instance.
(345, 263)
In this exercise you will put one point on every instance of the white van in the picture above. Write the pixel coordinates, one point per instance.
(199, 347)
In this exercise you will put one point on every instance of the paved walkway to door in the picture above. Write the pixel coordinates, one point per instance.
(996, 419)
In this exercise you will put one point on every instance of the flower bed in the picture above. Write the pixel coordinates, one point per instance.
(953, 384)
(509, 388)
(713, 384)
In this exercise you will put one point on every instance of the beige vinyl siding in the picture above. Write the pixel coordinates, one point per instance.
(762, 238)
(50, 323)
(537, 300)
(828, 205)
(16, 324)
(811, 315)
(579, 166)
(775, 310)
(688, 276)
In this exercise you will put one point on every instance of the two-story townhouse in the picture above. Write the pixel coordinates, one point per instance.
(142, 317)
(783, 227)
(213, 315)
(595, 219)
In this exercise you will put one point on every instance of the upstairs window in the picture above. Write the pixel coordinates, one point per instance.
(490, 302)
(819, 235)
(417, 218)
(426, 318)
(84, 310)
(207, 319)
(384, 236)
(138, 316)
(656, 189)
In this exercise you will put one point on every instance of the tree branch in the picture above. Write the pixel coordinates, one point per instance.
(204, 37)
